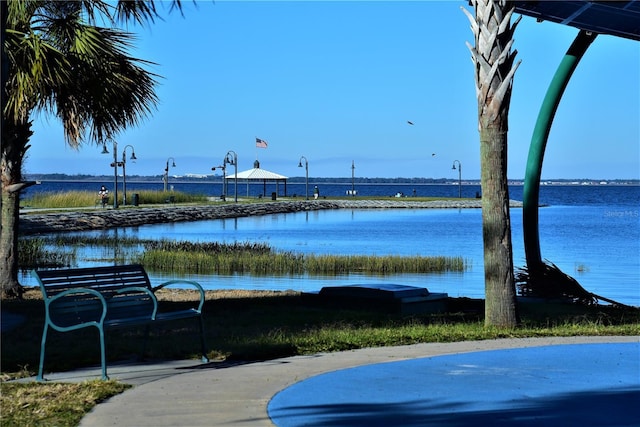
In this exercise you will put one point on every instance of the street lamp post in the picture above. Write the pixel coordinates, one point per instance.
(223, 166)
(231, 158)
(124, 173)
(114, 165)
(353, 178)
(166, 171)
(459, 176)
(306, 170)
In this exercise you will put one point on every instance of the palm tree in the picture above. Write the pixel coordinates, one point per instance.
(494, 70)
(57, 60)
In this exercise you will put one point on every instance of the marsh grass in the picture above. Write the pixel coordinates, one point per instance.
(207, 247)
(258, 259)
(79, 240)
(66, 199)
(333, 264)
(289, 263)
(33, 252)
(83, 199)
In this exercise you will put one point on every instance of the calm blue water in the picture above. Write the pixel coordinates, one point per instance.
(614, 195)
(590, 232)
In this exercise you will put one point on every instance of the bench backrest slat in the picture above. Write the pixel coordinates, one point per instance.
(84, 307)
(106, 280)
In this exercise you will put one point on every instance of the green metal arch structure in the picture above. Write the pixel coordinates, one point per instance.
(620, 19)
(533, 173)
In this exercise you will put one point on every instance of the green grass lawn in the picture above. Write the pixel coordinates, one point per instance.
(245, 325)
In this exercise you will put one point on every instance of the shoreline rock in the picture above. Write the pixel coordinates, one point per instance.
(79, 220)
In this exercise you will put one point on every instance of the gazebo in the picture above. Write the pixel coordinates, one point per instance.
(257, 174)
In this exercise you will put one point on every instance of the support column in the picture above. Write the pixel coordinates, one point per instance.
(531, 189)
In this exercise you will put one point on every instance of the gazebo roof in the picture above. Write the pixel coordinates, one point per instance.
(258, 174)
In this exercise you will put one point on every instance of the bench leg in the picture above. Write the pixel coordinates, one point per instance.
(42, 349)
(103, 355)
(205, 359)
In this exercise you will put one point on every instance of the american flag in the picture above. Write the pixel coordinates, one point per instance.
(261, 143)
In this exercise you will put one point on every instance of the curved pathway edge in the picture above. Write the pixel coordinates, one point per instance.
(239, 395)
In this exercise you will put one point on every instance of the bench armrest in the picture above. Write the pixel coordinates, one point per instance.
(182, 283)
(60, 298)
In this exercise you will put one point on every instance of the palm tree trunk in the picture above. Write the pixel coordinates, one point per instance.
(9, 285)
(494, 67)
(500, 293)
(14, 142)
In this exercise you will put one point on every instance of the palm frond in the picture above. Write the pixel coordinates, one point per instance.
(35, 68)
(80, 72)
(141, 11)
(548, 281)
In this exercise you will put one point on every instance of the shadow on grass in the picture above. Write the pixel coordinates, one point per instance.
(246, 329)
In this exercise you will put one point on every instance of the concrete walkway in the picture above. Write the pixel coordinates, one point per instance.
(187, 393)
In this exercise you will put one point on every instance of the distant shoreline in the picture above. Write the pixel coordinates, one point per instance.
(359, 181)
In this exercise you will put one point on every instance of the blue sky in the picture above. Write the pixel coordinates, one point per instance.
(337, 82)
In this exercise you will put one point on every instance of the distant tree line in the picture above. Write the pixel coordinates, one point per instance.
(301, 179)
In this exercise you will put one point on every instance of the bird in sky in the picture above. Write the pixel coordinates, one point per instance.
(410, 122)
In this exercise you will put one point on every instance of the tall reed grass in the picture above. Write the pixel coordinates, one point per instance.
(80, 199)
(97, 241)
(33, 252)
(184, 257)
(207, 247)
(66, 199)
(390, 264)
(289, 263)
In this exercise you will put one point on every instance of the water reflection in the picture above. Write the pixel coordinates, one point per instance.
(225, 223)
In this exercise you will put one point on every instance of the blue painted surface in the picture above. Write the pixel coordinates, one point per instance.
(563, 385)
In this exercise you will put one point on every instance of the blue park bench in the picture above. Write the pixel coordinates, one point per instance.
(106, 298)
